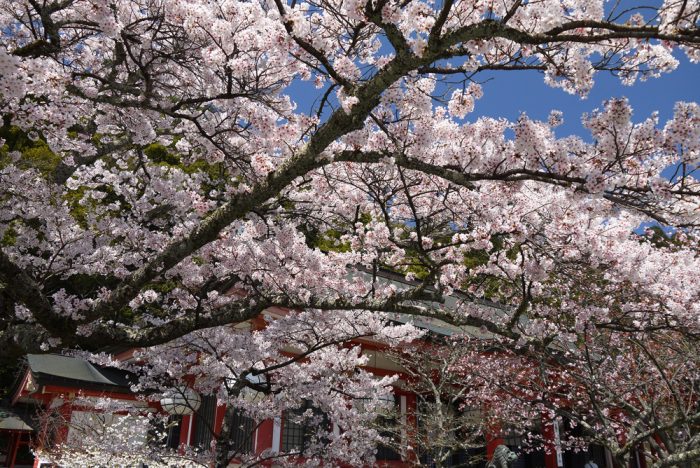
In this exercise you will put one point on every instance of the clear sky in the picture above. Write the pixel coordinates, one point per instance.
(509, 94)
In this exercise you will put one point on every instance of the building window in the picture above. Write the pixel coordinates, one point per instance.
(172, 438)
(242, 430)
(242, 427)
(204, 423)
(166, 433)
(390, 429)
(298, 433)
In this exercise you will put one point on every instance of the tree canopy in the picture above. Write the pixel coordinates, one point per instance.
(158, 179)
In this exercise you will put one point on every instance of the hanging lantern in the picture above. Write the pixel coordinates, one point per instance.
(181, 401)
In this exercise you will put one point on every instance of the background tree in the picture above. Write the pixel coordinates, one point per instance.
(633, 393)
(109, 432)
(442, 429)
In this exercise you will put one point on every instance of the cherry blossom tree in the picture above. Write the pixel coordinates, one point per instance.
(442, 429)
(253, 373)
(631, 392)
(159, 180)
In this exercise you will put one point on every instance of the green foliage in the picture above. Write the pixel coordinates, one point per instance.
(159, 153)
(476, 258)
(77, 210)
(329, 241)
(36, 154)
(162, 287)
(494, 288)
(419, 270)
(9, 237)
(163, 155)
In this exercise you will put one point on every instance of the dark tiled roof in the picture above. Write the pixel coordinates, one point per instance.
(451, 303)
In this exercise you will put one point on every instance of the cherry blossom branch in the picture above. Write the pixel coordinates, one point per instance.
(467, 179)
(22, 288)
(127, 83)
(490, 28)
(309, 48)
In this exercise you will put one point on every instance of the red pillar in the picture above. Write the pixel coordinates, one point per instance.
(14, 446)
(263, 439)
(185, 425)
(493, 440)
(66, 412)
(219, 419)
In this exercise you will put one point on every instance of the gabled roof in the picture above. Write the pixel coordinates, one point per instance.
(15, 419)
(67, 371)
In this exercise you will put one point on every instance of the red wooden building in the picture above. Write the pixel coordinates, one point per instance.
(55, 382)
(51, 381)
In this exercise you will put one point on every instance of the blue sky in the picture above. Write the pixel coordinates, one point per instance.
(509, 94)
